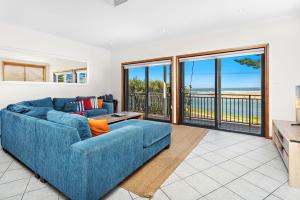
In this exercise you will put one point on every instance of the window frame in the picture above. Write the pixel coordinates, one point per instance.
(147, 61)
(24, 65)
(75, 72)
(265, 77)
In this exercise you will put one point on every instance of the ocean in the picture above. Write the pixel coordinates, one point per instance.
(249, 90)
(235, 101)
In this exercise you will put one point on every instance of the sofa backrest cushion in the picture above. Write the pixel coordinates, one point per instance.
(84, 97)
(18, 108)
(76, 121)
(38, 112)
(45, 102)
(59, 103)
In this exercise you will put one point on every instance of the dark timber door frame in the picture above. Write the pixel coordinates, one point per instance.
(124, 79)
(265, 83)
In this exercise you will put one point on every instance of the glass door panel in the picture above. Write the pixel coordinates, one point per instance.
(148, 90)
(136, 90)
(198, 92)
(241, 106)
(159, 93)
(224, 92)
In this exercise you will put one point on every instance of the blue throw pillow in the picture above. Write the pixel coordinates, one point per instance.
(46, 102)
(109, 97)
(38, 112)
(77, 121)
(59, 103)
(70, 107)
(17, 108)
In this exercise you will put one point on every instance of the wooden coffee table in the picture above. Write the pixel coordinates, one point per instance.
(129, 115)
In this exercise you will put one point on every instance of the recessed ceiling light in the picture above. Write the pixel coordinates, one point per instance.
(164, 30)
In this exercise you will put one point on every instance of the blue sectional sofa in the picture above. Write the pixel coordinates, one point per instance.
(59, 105)
(62, 151)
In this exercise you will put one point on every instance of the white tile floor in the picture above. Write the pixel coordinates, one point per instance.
(224, 166)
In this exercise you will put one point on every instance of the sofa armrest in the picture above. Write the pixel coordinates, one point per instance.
(18, 136)
(108, 159)
(54, 154)
(109, 106)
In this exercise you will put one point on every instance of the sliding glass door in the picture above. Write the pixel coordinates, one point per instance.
(148, 90)
(136, 90)
(198, 95)
(223, 91)
(159, 92)
(241, 92)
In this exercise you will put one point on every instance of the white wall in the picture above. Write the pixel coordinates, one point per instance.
(24, 39)
(283, 35)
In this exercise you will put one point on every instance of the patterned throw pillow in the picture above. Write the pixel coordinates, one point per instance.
(94, 102)
(80, 105)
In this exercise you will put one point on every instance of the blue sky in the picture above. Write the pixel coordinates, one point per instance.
(155, 73)
(233, 74)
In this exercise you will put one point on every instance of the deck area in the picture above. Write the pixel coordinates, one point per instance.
(238, 127)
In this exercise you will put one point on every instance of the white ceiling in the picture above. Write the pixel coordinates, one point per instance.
(98, 23)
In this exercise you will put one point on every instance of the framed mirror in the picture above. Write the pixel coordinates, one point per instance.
(22, 66)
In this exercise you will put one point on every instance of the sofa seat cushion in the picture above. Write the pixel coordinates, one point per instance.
(75, 121)
(152, 131)
(95, 112)
(59, 103)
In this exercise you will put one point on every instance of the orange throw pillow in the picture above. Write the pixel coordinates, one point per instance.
(98, 127)
(100, 103)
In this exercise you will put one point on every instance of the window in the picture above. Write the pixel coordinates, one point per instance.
(71, 76)
(15, 71)
(81, 76)
(63, 77)
(147, 88)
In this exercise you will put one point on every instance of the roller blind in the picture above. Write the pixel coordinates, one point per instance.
(224, 55)
(148, 64)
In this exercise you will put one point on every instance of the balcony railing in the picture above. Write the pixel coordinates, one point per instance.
(234, 108)
(157, 104)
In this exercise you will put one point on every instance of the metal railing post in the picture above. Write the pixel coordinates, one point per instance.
(249, 110)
